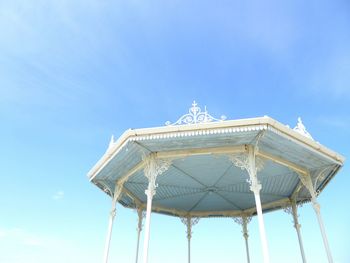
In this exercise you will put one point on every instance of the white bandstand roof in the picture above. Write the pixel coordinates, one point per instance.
(202, 180)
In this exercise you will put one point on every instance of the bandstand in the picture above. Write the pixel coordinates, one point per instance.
(200, 166)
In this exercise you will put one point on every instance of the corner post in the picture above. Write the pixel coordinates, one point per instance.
(139, 229)
(115, 197)
(307, 182)
(251, 164)
(297, 227)
(189, 222)
(153, 168)
(293, 210)
(244, 222)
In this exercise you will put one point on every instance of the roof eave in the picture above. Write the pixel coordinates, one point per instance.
(286, 131)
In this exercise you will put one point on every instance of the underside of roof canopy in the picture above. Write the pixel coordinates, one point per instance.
(202, 180)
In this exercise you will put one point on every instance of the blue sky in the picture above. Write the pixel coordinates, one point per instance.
(72, 73)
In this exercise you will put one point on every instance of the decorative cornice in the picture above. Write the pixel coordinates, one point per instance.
(177, 134)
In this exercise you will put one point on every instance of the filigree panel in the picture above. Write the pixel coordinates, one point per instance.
(194, 116)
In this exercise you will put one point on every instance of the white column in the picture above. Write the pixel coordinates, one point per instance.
(139, 229)
(153, 168)
(307, 182)
(256, 190)
(255, 187)
(297, 228)
(189, 235)
(115, 198)
(150, 192)
(248, 162)
(316, 207)
(294, 212)
(189, 222)
(244, 222)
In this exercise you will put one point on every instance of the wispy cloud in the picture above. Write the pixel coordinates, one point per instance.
(58, 195)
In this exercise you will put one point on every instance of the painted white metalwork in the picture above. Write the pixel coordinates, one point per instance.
(249, 163)
(241, 160)
(300, 128)
(195, 115)
(320, 177)
(141, 214)
(244, 221)
(111, 142)
(189, 222)
(153, 168)
(307, 182)
(292, 210)
(115, 198)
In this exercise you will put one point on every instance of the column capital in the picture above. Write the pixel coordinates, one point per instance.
(316, 205)
(151, 191)
(243, 221)
(189, 222)
(153, 167)
(255, 187)
(252, 164)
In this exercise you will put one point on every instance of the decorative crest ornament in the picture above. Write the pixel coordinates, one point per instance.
(194, 116)
(300, 128)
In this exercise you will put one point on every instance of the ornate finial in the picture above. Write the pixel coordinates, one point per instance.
(300, 128)
(111, 142)
(195, 115)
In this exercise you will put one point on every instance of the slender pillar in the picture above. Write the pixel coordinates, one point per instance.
(255, 187)
(297, 228)
(153, 168)
(244, 222)
(139, 229)
(150, 192)
(189, 222)
(116, 195)
(316, 207)
(249, 163)
(307, 182)
(256, 190)
(189, 235)
(293, 210)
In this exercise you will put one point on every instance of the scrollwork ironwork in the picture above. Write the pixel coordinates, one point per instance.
(195, 115)
(300, 128)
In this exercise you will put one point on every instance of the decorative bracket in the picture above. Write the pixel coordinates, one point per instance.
(154, 167)
(293, 210)
(252, 164)
(243, 221)
(141, 215)
(116, 196)
(189, 222)
(194, 116)
(307, 182)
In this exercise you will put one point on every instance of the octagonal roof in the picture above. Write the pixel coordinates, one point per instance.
(202, 180)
